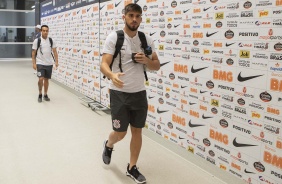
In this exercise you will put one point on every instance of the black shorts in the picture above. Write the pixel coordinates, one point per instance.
(128, 108)
(44, 71)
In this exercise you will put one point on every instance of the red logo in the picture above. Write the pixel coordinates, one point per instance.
(270, 32)
(239, 155)
(244, 90)
(262, 135)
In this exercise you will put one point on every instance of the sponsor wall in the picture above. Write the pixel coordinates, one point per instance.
(218, 93)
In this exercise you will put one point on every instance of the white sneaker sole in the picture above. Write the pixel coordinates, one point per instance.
(128, 174)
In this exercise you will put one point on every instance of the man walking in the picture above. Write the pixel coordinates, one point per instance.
(44, 52)
(128, 99)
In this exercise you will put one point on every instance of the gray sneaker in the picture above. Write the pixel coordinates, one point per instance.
(135, 174)
(46, 98)
(107, 153)
(39, 98)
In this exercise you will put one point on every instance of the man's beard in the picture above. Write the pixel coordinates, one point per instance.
(131, 28)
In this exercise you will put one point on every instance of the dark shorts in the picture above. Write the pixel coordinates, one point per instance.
(44, 71)
(128, 108)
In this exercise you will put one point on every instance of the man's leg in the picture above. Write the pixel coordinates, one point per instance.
(135, 145)
(115, 137)
(46, 85)
(40, 85)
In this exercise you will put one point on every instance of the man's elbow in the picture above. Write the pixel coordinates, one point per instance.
(157, 66)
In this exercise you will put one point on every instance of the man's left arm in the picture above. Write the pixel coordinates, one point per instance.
(151, 64)
(154, 63)
(56, 56)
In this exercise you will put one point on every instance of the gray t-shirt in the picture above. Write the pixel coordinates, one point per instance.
(134, 72)
(44, 58)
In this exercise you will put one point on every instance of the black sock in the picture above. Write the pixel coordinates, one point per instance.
(40, 95)
(45, 95)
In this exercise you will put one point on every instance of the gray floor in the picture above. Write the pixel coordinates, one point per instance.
(60, 142)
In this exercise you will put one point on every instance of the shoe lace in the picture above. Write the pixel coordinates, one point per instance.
(135, 172)
(109, 151)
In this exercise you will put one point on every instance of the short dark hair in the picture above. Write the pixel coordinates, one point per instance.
(44, 26)
(132, 7)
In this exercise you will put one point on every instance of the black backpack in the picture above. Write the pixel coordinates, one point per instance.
(119, 44)
(38, 45)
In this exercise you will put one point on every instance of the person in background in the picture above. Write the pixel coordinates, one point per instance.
(4, 38)
(128, 98)
(42, 60)
(37, 31)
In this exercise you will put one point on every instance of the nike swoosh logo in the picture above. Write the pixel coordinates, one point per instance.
(70, 49)
(184, 86)
(184, 11)
(194, 125)
(150, 97)
(162, 64)
(236, 144)
(78, 11)
(101, 87)
(89, 81)
(88, 9)
(206, 117)
(175, 26)
(101, 7)
(78, 77)
(227, 45)
(243, 79)
(205, 9)
(203, 91)
(136, 1)
(197, 70)
(190, 103)
(116, 4)
(209, 35)
(181, 137)
(78, 50)
(89, 51)
(248, 172)
(159, 111)
(151, 34)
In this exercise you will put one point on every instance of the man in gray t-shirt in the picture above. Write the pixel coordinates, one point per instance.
(128, 102)
(43, 59)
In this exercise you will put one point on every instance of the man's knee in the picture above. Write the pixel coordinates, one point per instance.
(40, 79)
(136, 131)
(120, 135)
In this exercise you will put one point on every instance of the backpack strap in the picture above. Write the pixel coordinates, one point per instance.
(144, 46)
(51, 45)
(143, 40)
(51, 42)
(38, 46)
(119, 44)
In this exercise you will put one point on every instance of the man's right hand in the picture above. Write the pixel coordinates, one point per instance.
(116, 81)
(34, 66)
